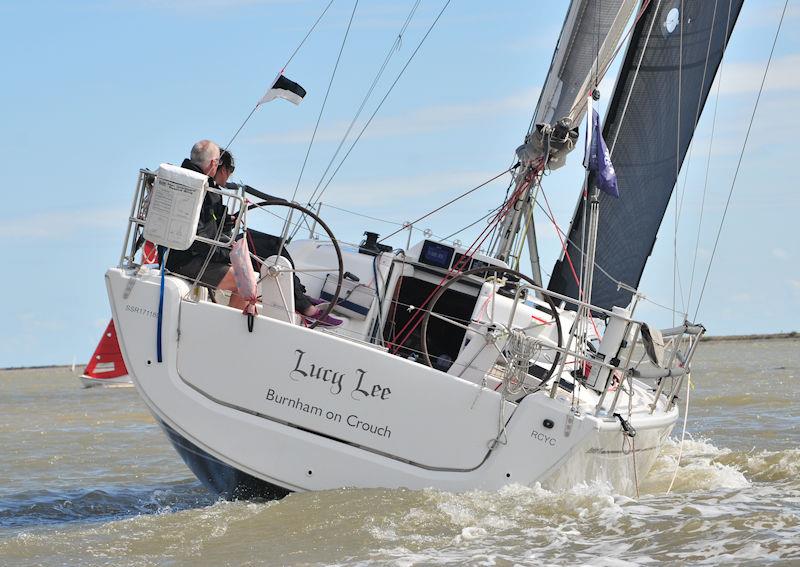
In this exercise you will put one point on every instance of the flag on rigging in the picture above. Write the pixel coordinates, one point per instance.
(598, 159)
(285, 89)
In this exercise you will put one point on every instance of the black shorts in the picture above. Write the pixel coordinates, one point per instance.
(212, 275)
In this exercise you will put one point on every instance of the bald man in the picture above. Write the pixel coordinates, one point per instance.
(204, 158)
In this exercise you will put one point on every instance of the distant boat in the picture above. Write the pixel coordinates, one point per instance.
(106, 368)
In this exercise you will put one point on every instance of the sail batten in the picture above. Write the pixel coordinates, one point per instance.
(669, 67)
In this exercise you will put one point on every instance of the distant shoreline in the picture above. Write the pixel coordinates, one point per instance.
(755, 337)
(68, 367)
(792, 335)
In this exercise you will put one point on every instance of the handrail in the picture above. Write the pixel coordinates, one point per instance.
(137, 218)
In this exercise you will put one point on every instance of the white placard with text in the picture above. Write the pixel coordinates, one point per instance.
(174, 208)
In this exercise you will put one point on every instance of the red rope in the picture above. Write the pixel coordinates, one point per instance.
(566, 255)
(402, 336)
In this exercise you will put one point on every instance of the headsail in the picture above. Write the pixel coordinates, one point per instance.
(669, 67)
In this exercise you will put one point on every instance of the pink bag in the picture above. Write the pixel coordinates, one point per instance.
(244, 275)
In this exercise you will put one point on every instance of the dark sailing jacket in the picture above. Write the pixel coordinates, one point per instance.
(212, 214)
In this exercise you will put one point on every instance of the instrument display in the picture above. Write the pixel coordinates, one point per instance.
(436, 254)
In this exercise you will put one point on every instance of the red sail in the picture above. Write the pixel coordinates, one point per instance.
(106, 362)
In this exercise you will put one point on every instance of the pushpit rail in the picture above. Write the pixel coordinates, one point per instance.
(676, 363)
(134, 235)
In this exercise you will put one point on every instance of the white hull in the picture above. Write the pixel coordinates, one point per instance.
(117, 382)
(306, 410)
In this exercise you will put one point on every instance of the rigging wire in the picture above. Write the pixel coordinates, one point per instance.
(496, 233)
(680, 194)
(597, 43)
(741, 156)
(391, 88)
(325, 100)
(633, 81)
(399, 339)
(678, 163)
(708, 160)
(394, 223)
(392, 50)
(597, 266)
(334, 207)
(569, 261)
(620, 44)
(483, 218)
(306, 36)
(451, 201)
(296, 49)
(700, 101)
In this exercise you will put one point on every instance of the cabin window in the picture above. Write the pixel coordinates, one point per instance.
(443, 338)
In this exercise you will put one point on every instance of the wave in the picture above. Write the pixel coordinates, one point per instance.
(703, 467)
(37, 507)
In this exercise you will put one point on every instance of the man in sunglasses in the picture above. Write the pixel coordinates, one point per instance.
(205, 158)
(266, 245)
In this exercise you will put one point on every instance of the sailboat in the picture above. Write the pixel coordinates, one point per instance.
(452, 369)
(106, 367)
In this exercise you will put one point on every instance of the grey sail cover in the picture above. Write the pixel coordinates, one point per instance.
(674, 53)
(589, 24)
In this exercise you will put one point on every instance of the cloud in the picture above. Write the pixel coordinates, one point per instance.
(745, 77)
(199, 5)
(768, 16)
(780, 253)
(422, 120)
(32, 322)
(384, 192)
(61, 224)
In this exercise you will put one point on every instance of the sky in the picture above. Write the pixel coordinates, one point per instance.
(93, 90)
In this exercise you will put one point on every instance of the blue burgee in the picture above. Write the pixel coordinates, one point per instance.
(598, 160)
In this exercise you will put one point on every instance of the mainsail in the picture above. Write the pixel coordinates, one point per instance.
(591, 32)
(586, 45)
(669, 67)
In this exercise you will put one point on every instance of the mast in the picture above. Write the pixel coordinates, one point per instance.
(669, 67)
(591, 31)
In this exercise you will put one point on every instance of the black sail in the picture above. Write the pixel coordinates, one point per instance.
(663, 84)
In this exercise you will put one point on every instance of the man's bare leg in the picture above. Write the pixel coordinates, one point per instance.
(228, 283)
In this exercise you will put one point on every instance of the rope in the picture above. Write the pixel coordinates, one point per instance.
(400, 338)
(741, 156)
(683, 434)
(635, 473)
(569, 260)
(699, 107)
(325, 100)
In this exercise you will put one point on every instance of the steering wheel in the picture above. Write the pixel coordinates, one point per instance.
(484, 272)
(340, 263)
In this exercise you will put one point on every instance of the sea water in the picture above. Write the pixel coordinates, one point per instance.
(88, 478)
